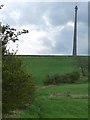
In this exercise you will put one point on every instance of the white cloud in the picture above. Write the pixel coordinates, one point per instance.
(70, 23)
(9, 1)
(31, 42)
(50, 26)
(46, 20)
(2, 17)
(15, 15)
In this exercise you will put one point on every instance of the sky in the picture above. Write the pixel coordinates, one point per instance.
(50, 25)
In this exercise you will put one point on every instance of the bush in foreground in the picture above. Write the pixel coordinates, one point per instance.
(18, 88)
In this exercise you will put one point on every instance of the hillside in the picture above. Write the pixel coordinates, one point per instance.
(42, 66)
(55, 101)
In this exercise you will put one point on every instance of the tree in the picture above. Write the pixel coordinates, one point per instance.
(17, 86)
(9, 34)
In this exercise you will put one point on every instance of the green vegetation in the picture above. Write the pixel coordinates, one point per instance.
(40, 67)
(82, 64)
(18, 88)
(72, 88)
(61, 101)
(60, 79)
(50, 102)
(55, 101)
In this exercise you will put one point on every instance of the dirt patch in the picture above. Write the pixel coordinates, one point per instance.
(68, 95)
(48, 86)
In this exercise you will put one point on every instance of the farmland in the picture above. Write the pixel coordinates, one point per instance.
(55, 101)
(40, 67)
(52, 106)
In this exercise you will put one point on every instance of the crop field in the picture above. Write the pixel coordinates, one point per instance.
(55, 101)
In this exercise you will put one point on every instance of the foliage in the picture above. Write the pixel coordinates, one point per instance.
(67, 78)
(82, 64)
(42, 66)
(1, 6)
(9, 34)
(18, 89)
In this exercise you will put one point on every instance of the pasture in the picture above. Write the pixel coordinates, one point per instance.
(40, 67)
(55, 101)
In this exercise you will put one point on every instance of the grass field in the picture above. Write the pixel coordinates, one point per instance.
(61, 101)
(49, 105)
(40, 67)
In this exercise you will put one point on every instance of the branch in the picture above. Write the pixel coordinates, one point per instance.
(1, 6)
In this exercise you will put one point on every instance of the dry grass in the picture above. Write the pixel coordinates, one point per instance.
(55, 95)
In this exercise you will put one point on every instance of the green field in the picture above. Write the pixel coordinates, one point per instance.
(40, 67)
(49, 105)
(61, 101)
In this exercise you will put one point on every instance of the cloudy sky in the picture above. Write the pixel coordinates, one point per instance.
(50, 26)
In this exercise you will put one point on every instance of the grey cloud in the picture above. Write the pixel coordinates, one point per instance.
(61, 13)
(58, 13)
(82, 39)
(64, 41)
(46, 42)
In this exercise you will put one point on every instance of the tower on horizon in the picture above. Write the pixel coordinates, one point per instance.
(75, 34)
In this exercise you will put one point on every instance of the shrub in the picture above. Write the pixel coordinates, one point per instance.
(17, 86)
(75, 77)
(81, 62)
(67, 78)
(49, 80)
(72, 77)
